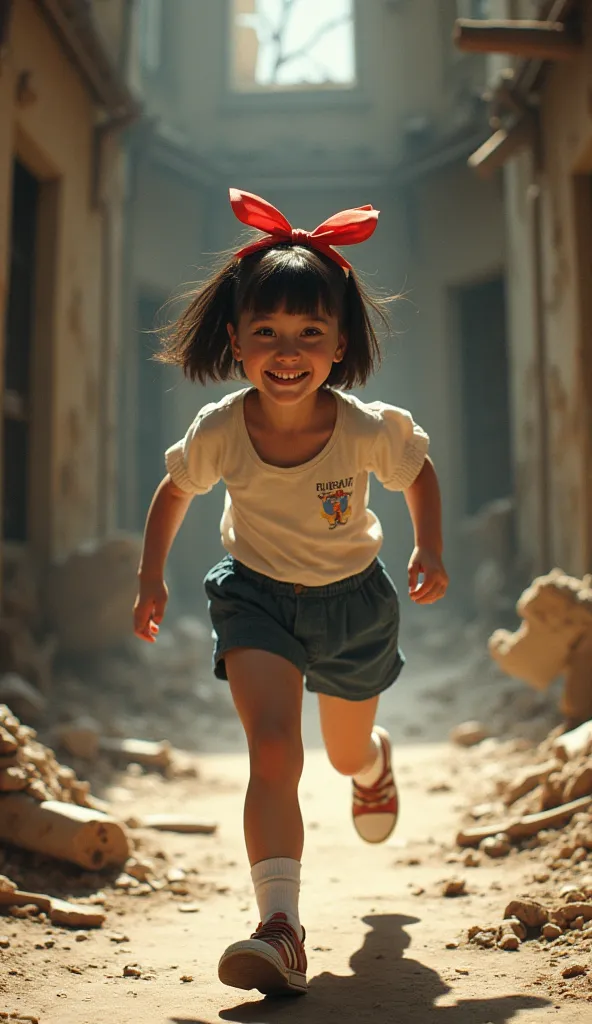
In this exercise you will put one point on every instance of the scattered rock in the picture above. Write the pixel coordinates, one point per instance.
(574, 970)
(186, 977)
(454, 887)
(132, 971)
(468, 734)
(496, 846)
(529, 912)
(551, 931)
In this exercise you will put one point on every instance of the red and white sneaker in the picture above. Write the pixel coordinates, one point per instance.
(272, 960)
(375, 809)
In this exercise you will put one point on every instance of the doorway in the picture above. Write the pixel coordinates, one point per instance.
(20, 327)
(484, 394)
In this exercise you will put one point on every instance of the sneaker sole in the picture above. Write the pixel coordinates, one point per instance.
(249, 969)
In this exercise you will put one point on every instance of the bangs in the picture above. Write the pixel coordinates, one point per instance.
(293, 278)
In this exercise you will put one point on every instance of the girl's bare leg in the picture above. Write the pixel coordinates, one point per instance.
(347, 731)
(267, 693)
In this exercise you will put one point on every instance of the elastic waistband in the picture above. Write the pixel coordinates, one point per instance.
(344, 586)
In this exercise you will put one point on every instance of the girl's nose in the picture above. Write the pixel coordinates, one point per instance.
(288, 350)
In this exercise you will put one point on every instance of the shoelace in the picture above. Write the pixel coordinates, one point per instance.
(278, 930)
(375, 796)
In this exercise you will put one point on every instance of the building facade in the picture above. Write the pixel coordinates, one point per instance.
(541, 109)
(64, 99)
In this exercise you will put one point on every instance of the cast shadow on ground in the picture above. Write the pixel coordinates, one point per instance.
(385, 987)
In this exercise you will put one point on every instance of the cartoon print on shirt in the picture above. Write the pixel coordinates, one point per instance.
(335, 501)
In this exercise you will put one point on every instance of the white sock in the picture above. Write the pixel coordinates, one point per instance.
(370, 775)
(277, 888)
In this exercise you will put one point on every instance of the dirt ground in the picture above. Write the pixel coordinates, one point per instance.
(383, 943)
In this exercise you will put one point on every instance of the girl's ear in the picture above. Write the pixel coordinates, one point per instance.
(340, 350)
(233, 341)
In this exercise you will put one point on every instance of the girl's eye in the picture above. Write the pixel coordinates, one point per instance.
(265, 332)
(311, 332)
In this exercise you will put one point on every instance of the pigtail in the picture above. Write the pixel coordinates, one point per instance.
(198, 340)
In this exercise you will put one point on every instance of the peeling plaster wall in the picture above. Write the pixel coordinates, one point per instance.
(53, 136)
(566, 185)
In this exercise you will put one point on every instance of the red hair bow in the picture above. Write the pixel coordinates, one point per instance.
(345, 228)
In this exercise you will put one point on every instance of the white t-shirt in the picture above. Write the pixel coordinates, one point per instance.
(307, 524)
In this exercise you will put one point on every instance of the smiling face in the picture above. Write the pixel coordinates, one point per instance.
(287, 356)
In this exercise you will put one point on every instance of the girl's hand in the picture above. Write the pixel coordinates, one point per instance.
(435, 578)
(149, 608)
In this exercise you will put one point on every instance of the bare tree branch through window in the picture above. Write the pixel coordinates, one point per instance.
(291, 44)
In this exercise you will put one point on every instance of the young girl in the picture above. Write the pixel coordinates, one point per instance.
(301, 593)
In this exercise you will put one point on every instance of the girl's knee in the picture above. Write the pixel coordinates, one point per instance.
(277, 756)
(348, 762)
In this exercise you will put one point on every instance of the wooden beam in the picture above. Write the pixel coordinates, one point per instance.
(534, 40)
(501, 146)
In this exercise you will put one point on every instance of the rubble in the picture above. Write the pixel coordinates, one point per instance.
(92, 593)
(58, 911)
(44, 807)
(175, 823)
(469, 734)
(555, 638)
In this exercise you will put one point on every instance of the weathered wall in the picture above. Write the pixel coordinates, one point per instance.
(565, 184)
(459, 241)
(53, 136)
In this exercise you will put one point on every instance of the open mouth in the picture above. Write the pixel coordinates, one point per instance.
(286, 376)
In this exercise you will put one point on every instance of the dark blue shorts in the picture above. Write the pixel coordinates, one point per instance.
(343, 637)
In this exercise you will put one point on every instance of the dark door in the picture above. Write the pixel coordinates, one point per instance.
(484, 394)
(17, 359)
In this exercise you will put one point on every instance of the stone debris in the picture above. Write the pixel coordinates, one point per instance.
(469, 734)
(28, 766)
(454, 887)
(45, 808)
(574, 970)
(174, 823)
(555, 638)
(29, 904)
(496, 846)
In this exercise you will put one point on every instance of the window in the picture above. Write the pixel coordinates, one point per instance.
(150, 34)
(291, 45)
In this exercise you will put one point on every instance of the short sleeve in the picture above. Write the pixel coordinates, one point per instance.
(194, 462)
(400, 448)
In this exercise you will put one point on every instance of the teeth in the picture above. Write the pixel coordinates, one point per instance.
(287, 376)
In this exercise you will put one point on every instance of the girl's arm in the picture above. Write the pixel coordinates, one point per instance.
(425, 508)
(167, 511)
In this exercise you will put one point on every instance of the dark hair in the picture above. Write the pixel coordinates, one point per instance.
(296, 278)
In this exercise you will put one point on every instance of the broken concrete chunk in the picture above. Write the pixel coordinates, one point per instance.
(468, 734)
(80, 737)
(454, 887)
(496, 846)
(145, 752)
(529, 912)
(92, 592)
(77, 834)
(59, 911)
(574, 970)
(13, 779)
(574, 743)
(176, 823)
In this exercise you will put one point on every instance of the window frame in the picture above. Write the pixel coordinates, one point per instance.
(235, 101)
